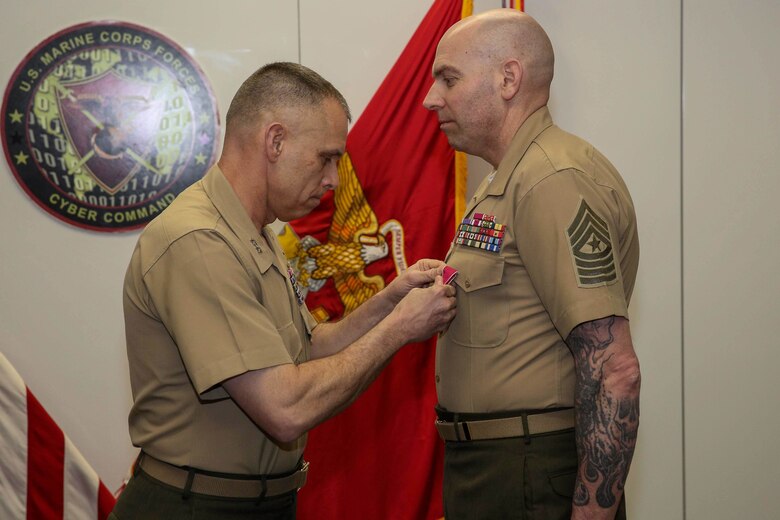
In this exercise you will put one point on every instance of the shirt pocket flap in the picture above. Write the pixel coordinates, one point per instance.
(484, 271)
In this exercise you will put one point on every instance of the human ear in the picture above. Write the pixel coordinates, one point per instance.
(274, 141)
(512, 77)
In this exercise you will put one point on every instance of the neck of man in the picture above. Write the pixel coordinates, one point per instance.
(247, 177)
(513, 120)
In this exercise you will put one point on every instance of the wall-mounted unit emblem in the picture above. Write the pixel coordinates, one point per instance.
(104, 123)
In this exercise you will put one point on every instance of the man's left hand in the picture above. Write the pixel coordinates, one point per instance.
(421, 274)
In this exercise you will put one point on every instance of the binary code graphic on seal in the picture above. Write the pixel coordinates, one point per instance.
(104, 123)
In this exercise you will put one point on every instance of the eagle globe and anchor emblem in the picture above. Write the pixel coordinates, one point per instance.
(355, 240)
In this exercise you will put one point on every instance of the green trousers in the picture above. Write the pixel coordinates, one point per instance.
(510, 479)
(145, 498)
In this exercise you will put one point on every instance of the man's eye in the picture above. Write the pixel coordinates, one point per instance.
(449, 81)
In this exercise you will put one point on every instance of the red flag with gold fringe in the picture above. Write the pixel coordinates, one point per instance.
(395, 204)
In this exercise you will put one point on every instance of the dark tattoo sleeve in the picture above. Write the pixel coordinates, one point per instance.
(607, 419)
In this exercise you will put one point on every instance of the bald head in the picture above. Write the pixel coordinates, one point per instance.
(499, 35)
(491, 72)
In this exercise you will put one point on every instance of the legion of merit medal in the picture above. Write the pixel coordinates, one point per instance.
(104, 123)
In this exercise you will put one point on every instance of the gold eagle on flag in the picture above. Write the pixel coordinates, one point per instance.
(355, 240)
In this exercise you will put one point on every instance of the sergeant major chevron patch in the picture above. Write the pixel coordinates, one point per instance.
(591, 248)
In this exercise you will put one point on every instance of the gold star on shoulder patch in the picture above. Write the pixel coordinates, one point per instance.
(591, 248)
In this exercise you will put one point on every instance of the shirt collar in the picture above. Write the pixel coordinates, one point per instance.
(531, 128)
(228, 205)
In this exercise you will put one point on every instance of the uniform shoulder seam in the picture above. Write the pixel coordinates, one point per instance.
(170, 242)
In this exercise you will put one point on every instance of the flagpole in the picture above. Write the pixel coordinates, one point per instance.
(514, 4)
(299, 31)
(461, 160)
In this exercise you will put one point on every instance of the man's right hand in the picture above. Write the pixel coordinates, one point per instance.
(425, 311)
(421, 274)
(287, 400)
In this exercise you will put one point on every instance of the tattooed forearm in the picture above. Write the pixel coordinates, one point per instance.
(607, 409)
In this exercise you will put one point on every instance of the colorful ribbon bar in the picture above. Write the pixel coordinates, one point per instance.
(480, 231)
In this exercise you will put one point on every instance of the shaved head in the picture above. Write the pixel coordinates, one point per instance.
(505, 34)
(491, 72)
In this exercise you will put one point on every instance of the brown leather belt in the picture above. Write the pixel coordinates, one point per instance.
(520, 426)
(219, 486)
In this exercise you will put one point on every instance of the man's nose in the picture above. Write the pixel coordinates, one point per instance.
(432, 100)
(331, 179)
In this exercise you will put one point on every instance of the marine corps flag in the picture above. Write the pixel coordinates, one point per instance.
(395, 203)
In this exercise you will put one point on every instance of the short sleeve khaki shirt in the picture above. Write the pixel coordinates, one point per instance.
(207, 298)
(561, 250)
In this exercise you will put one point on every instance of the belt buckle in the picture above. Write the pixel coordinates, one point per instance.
(457, 428)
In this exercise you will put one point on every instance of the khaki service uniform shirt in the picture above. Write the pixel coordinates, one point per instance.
(568, 255)
(206, 299)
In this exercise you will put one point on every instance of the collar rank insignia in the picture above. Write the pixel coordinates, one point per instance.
(294, 282)
(481, 232)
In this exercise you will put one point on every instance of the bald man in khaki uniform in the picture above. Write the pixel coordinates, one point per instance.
(228, 368)
(537, 379)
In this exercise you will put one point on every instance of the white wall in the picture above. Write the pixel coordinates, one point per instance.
(703, 198)
(731, 253)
